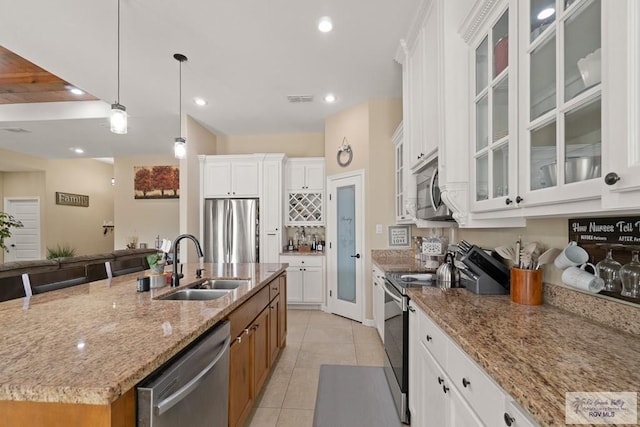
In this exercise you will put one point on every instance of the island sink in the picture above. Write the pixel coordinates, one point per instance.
(195, 294)
(222, 284)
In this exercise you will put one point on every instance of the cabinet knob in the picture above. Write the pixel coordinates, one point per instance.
(429, 338)
(445, 388)
(508, 419)
(246, 331)
(411, 309)
(238, 339)
(465, 382)
(519, 199)
(508, 201)
(611, 178)
(440, 380)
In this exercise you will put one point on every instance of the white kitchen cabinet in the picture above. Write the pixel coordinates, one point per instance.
(405, 188)
(452, 389)
(493, 147)
(305, 192)
(416, 395)
(305, 279)
(231, 176)
(560, 127)
(377, 277)
(515, 416)
(440, 404)
(305, 174)
(621, 102)
(271, 216)
(422, 124)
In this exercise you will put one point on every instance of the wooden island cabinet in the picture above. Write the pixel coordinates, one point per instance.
(258, 332)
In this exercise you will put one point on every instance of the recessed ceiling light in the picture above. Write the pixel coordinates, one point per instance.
(325, 25)
(200, 101)
(329, 98)
(545, 13)
(78, 150)
(76, 91)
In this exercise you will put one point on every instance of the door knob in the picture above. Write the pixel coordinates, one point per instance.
(355, 256)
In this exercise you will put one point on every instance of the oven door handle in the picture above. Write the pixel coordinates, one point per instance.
(391, 294)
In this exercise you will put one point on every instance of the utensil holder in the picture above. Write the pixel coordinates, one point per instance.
(526, 286)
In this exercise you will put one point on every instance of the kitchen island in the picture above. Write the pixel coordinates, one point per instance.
(86, 347)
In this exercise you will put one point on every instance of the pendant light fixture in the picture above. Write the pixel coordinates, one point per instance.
(118, 117)
(180, 145)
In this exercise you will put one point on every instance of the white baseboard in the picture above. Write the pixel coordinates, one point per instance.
(369, 322)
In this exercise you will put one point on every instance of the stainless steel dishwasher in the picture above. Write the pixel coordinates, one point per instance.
(193, 389)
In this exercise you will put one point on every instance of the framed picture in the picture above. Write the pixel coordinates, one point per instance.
(156, 182)
(399, 236)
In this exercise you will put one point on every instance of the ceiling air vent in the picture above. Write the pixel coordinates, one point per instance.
(15, 130)
(300, 98)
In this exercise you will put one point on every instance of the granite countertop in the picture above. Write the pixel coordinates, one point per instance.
(298, 253)
(535, 353)
(91, 343)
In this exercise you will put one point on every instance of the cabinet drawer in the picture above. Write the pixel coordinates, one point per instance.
(274, 288)
(242, 316)
(302, 260)
(434, 339)
(475, 386)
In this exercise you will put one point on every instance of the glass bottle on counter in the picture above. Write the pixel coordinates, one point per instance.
(630, 277)
(608, 269)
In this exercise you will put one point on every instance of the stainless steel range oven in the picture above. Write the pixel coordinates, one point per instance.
(396, 339)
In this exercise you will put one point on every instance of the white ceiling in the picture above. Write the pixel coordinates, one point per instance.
(244, 57)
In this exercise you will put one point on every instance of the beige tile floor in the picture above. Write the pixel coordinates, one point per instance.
(313, 338)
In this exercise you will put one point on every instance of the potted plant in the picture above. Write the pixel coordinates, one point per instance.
(6, 223)
(156, 263)
(64, 251)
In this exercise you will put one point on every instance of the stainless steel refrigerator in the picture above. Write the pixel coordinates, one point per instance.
(231, 232)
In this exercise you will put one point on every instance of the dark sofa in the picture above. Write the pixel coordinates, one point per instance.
(48, 275)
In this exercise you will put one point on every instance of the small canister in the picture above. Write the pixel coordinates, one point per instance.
(143, 284)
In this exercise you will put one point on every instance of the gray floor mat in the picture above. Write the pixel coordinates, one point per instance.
(354, 396)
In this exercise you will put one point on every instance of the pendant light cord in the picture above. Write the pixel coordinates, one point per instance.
(180, 96)
(118, 61)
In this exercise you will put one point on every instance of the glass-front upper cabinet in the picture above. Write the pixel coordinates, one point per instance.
(494, 163)
(560, 127)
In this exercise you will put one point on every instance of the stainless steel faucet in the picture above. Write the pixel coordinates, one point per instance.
(175, 276)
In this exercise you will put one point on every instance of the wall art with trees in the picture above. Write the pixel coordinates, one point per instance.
(156, 182)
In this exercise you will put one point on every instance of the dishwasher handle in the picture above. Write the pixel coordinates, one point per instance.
(176, 397)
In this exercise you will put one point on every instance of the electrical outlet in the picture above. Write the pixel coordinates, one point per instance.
(378, 228)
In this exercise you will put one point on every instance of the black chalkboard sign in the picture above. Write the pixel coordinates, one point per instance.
(596, 235)
(610, 230)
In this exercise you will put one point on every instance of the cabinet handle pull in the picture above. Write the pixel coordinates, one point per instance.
(611, 178)
(508, 201)
(519, 199)
(445, 388)
(411, 309)
(465, 383)
(440, 380)
(508, 419)
(275, 289)
(429, 338)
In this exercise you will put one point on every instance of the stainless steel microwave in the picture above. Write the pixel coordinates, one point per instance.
(429, 204)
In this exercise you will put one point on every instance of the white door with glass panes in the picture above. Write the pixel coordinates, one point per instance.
(560, 125)
(494, 112)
